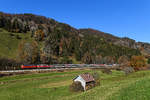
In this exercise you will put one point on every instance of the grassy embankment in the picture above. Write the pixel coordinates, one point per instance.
(55, 86)
(9, 42)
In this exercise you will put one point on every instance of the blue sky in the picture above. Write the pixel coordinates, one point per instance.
(130, 18)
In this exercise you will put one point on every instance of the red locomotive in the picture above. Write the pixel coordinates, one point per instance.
(36, 66)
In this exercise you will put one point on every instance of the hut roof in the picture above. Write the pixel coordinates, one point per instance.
(87, 77)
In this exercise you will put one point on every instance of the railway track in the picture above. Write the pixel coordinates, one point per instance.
(51, 69)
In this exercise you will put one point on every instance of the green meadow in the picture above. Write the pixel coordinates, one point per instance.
(55, 86)
(9, 42)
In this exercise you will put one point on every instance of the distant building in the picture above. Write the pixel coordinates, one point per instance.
(86, 80)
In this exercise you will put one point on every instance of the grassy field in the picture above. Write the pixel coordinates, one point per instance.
(9, 42)
(55, 86)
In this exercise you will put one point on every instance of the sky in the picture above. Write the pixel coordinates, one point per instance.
(123, 18)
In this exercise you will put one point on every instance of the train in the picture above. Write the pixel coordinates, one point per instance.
(41, 66)
(36, 66)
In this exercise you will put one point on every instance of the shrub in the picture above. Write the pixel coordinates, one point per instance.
(9, 64)
(128, 70)
(90, 85)
(96, 76)
(107, 71)
(118, 68)
(123, 60)
(76, 87)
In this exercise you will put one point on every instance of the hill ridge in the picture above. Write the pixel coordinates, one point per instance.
(61, 43)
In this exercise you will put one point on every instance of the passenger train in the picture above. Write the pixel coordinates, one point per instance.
(40, 66)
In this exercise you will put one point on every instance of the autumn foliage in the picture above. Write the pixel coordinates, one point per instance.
(28, 52)
(56, 42)
(124, 61)
(138, 62)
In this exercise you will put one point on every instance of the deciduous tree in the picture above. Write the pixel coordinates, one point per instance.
(138, 61)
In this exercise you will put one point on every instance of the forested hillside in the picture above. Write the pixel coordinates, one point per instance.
(32, 39)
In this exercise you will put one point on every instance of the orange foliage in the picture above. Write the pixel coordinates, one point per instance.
(124, 61)
(138, 61)
(39, 34)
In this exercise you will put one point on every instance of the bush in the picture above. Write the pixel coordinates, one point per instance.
(9, 64)
(128, 70)
(76, 87)
(90, 85)
(107, 71)
(96, 76)
(118, 68)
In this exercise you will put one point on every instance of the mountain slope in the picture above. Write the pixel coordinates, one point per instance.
(48, 41)
(126, 42)
(9, 43)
